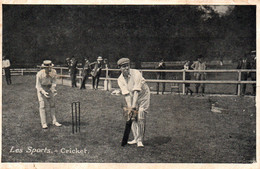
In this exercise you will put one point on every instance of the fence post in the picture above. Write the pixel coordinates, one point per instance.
(183, 85)
(105, 82)
(22, 72)
(239, 84)
(61, 75)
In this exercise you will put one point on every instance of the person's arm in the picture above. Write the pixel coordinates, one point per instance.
(54, 78)
(124, 91)
(135, 97)
(193, 65)
(39, 86)
(128, 100)
(8, 63)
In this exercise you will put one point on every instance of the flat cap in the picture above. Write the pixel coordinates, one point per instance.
(123, 61)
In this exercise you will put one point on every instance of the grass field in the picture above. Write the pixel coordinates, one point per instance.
(179, 129)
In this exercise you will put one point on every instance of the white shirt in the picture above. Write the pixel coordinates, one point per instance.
(135, 82)
(5, 63)
(44, 82)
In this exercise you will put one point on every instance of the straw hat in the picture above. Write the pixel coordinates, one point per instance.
(100, 58)
(47, 63)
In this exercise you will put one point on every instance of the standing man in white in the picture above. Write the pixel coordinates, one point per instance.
(137, 97)
(45, 85)
(6, 66)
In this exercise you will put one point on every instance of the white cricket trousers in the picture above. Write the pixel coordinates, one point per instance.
(46, 104)
(138, 127)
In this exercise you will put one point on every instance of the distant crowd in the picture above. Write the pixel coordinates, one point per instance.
(92, 69)
(248, 61)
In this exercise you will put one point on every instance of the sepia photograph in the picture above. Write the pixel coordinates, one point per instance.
(103, 83)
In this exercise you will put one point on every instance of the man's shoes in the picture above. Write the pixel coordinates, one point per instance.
(140, 144)
(44, 126)
(132, 142)
(57, 124)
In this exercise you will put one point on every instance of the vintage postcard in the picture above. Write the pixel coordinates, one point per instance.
(140, 84)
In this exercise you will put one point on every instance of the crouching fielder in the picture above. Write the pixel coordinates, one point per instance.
(137, 96)
(45, 85)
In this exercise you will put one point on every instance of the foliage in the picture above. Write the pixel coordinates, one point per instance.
(32, 33)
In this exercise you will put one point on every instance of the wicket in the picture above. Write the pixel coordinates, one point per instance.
(75, 112)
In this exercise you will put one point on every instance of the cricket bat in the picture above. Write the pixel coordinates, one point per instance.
(127, 126)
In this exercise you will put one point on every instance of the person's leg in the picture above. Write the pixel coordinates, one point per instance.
(53, 111)
(42, 114)
(42, 107)
(93, 82)
(243, 78)
(134, 129)
(8, 76)
(71, 78)
(82, 86)
(157, 84)
(254, 89)
(197, 85)
(163, 84)
(75, 79)
(141, 126)
(191, 92)
(163, 90)
(203, 77)
(98, 76)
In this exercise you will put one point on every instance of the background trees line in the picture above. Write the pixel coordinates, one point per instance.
(32, 33)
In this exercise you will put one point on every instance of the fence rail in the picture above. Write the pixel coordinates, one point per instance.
(108, 79)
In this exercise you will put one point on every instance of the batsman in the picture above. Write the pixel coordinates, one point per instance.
(137, 96)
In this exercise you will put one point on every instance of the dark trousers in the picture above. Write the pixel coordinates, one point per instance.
(73, 76)
(8, 76)
(95, 81)
(243, 86)
(84, 79)
(160, 76)
(202, 85)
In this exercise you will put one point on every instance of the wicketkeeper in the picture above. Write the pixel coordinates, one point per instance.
(45, 85)
(137, 97)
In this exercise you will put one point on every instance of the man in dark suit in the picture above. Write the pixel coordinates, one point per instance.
(73, 71)
(85, 73)
(243, 63)
(96, 72)
(253, 74)
(160, 75)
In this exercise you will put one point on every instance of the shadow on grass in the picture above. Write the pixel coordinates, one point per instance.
(66, 123)
(160, 140)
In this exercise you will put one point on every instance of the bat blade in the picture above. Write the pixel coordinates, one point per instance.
(126, 132)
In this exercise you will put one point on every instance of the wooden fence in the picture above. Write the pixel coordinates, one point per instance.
(107, 79)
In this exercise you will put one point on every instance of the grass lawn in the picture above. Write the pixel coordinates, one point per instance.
(179, 129)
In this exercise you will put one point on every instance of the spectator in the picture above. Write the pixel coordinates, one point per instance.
(253, 74)
(68, 64)
(160, 75)
(96, 72)
(243, 64)
(85, 73)
(45, 85)
(6, 66)
(137, 97)
(187, 66)
(200, 64)
(107, 84)
(73, 71)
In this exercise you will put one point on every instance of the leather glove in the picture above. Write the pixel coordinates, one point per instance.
(46, 94)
